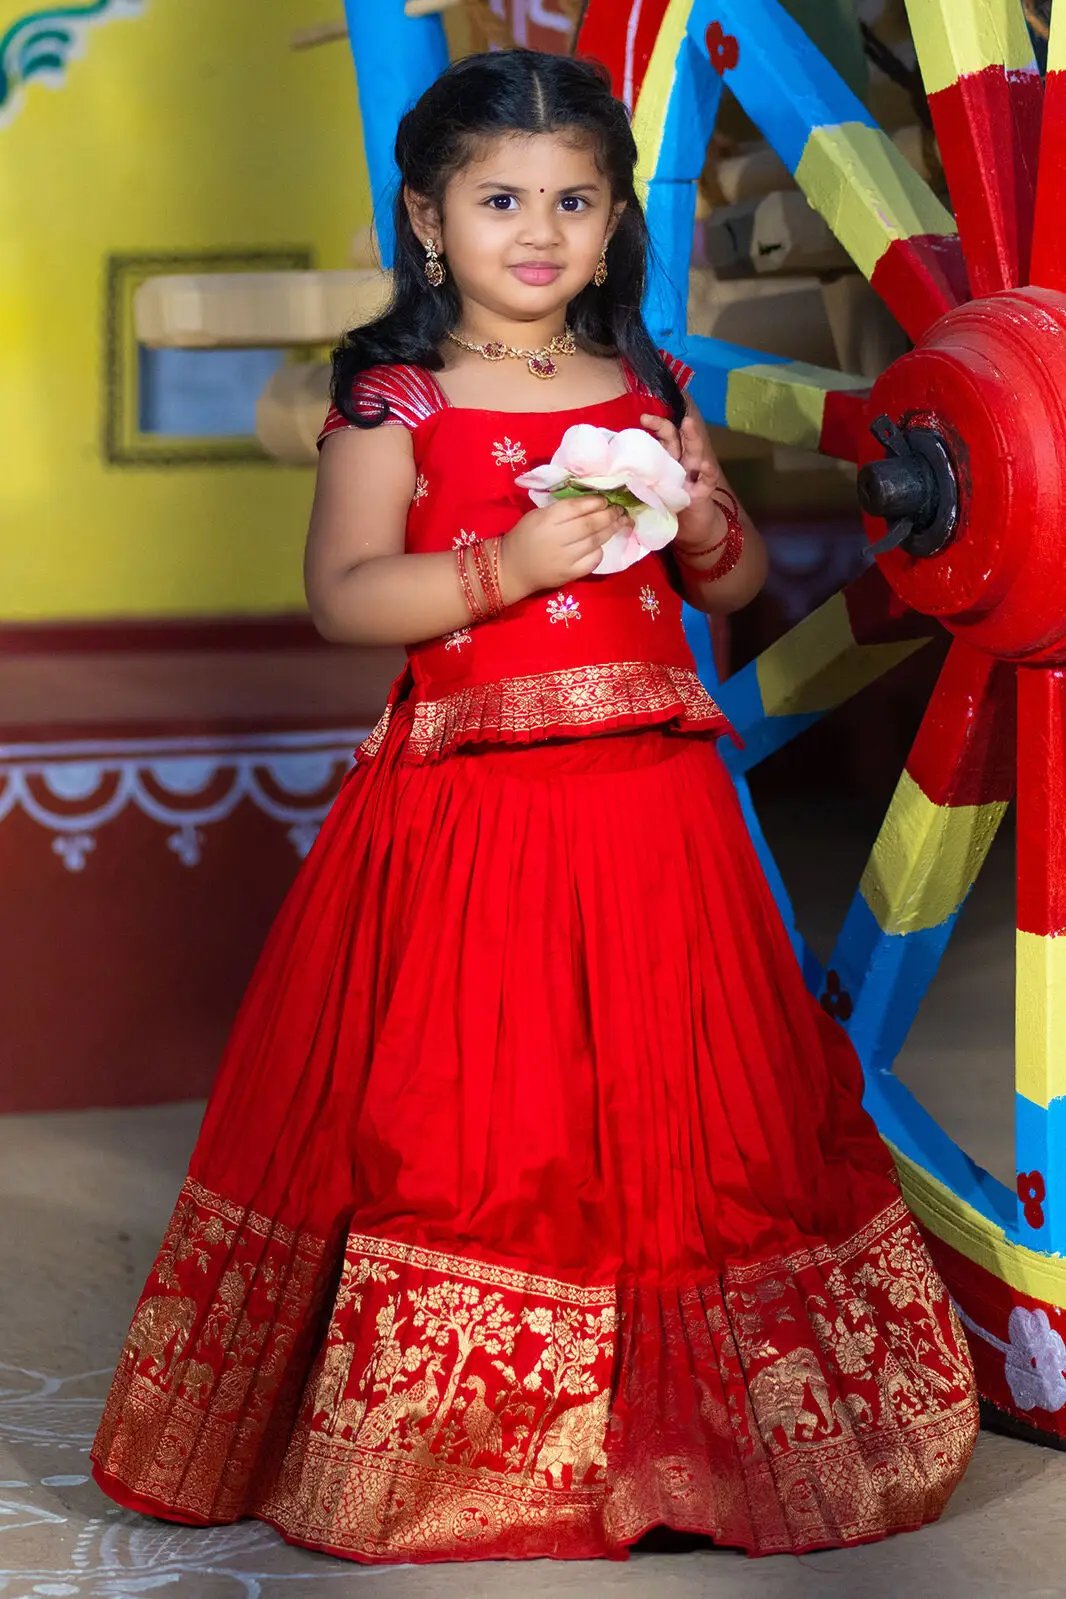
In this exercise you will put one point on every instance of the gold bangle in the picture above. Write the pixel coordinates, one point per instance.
(473, 605)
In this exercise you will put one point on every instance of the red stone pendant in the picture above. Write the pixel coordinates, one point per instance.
(542, 366)
(494, 351)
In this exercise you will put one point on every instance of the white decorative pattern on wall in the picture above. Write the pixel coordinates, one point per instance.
(76, 787)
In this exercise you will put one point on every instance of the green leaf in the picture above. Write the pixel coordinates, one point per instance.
(621, 496)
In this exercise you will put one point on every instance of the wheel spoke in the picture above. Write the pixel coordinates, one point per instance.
(853, 639)
(789, 402)
(937, 831)
(1040, 1055)
(985, 96)
(890, 222)
(1049, 233)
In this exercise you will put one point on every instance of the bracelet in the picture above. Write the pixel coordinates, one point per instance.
(487, 566)
(731, 546)
(473, 604)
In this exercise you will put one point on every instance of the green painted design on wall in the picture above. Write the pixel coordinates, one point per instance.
(41, 44)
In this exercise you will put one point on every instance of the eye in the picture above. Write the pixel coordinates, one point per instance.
(494, 198)
(575, 202)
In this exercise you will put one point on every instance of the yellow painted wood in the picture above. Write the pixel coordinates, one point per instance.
(973, 1235)
(867, 191)
(926, 858)
(784, 402)
(1040, 1017)
(649, 113)
(817, 665)
(1056, 45)
(956, 37)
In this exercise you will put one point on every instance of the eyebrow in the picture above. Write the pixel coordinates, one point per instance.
(514, 188)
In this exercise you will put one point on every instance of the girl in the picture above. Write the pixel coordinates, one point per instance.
(535, 1206)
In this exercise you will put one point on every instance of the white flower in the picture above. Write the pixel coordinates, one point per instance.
(463, 540)
(649, 601)
(630, 466)
(421, 488)
(564, 608)
(1035, 1361)
(456, 640)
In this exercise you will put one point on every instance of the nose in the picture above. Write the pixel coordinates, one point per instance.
(540, 225)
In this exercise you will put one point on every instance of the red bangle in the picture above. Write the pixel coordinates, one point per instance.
(490, 586)
(473, 604)
(731, 546)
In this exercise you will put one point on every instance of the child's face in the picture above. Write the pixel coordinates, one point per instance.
(524, 223)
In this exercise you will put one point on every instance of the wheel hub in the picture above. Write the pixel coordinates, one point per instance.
(965, 511)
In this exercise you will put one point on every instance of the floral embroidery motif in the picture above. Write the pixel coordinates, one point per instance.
(564, 608)
(463, 540)
(508, 454)
(421, 489)
(456, 640)
(649, 601)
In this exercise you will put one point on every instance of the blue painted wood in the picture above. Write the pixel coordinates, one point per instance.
(671, 212)
(783, 82)
(396, 58)
(909, 1126)
(1040, 1145)
(714, 361)
(887, 976)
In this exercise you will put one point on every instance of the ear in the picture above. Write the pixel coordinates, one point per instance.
(616, 217)
(424, 215)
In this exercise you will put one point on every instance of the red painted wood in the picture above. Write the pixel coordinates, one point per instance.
(1049, 235)
(607, 28)
(1041, 847)
(964, 751)
(920, 279)
(878, 615)
(844, 421)
(988, 128)
(988, 1301)
(991, 378)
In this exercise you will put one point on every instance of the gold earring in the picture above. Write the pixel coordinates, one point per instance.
(599, 277)
(434, 269)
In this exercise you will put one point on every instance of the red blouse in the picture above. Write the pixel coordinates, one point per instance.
(601, 655)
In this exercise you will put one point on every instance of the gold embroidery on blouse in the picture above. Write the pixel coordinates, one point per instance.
(569, 701)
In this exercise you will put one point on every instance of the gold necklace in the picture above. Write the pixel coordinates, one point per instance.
(540, 361)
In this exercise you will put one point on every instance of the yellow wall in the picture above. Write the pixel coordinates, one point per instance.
(191, 126)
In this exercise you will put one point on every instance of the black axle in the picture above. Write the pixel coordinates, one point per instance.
(914, 489)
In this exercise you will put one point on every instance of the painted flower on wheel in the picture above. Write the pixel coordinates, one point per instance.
(1035, 1361)
(722, 48)
(628, 468)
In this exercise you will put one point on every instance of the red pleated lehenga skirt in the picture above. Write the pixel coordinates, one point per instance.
(535, 1205)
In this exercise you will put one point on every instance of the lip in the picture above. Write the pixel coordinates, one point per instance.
(536, 272)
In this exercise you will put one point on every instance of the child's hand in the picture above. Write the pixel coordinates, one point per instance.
(557, 544)
(701, 523)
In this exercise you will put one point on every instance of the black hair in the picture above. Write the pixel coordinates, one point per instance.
(509, 92)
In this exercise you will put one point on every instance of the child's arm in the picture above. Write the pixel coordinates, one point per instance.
(704, 523)
(361, 586)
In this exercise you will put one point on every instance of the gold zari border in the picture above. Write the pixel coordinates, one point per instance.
(437, 1407)
(556, 704)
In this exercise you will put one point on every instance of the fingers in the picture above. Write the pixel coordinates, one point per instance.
(665, 431)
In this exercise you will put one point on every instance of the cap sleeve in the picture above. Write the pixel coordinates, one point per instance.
(680, 370)
(410, 394)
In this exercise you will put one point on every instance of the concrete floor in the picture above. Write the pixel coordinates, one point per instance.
(85, 1199)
